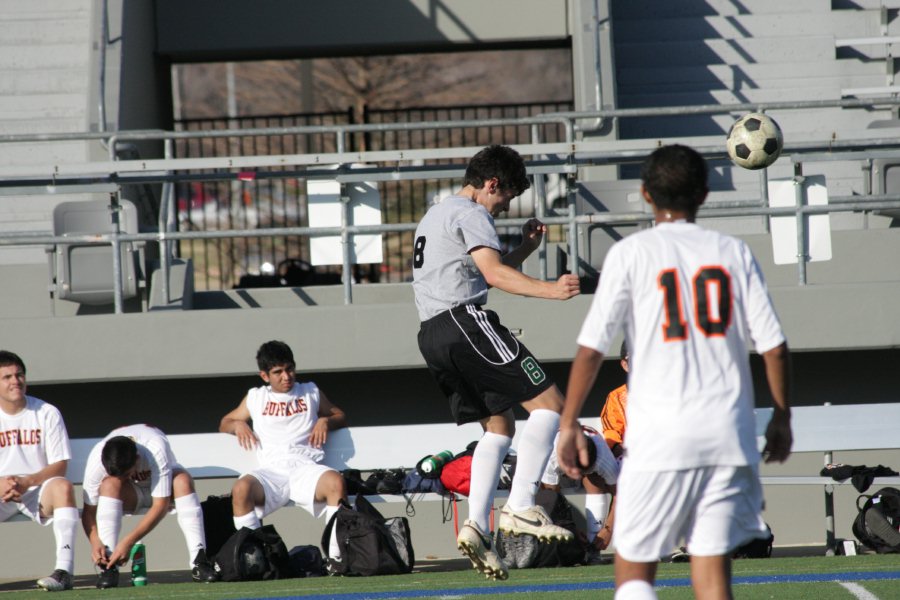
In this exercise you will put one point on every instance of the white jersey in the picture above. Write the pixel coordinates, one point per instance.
(691, 301)
(284, 422)
(606, 465)
(444, 274)
(155, 462)
(32, 438)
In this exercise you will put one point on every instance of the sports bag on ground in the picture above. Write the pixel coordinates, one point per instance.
(876, 524)
(218, 522)
(253, 555)
(527, 552)
(369, 543)
(757, 547)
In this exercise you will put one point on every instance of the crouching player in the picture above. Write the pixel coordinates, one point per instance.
(599, 479)
(291, 422)
(133, 471)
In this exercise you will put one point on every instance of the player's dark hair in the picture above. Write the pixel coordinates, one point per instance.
(623, 352)
(501, 162)
(8, 358)
(675, 177)
(119, 455)
(274, 354)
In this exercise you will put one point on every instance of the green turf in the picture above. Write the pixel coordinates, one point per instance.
(468, 579)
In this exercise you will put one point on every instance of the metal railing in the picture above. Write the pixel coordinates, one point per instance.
(562, 158)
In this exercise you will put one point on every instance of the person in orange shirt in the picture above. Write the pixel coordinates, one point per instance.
(600, 507)
(612, 417)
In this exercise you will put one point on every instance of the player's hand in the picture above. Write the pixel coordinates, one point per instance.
(98, 553)
(533, 232)
(604, 536)
(779, 438)
(319, 434)
(567, 286)
(572, 450)
(11, 489)
(246, 436)
(119, 555)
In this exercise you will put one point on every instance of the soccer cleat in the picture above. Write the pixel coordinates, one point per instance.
(532, 521)
(203, 571)
(478, 547)
(108, 578)
(56, 581)
(593, 557)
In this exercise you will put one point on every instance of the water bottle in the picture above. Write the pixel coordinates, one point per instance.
(433, 463)
(138, 564)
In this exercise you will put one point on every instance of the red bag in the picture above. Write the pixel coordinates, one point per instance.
(456, 475)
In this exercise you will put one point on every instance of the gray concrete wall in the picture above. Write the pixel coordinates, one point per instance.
(225, 30)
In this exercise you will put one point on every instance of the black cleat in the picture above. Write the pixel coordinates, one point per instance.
(108, 578)
(57, 581)
(203, 571)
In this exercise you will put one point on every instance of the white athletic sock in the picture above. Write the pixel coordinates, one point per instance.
(535, 445)
(635, 589)
(65, 522)
(250, 521)
(596, 508)
(109, 520)
(334, 549)
(190, 519)
(486, 461)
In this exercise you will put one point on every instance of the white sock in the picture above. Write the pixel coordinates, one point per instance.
(535, 445)
(596, 507)
(190, 519)
(489, 455)
(250, 521)
(334, 550)
(635, 589)
(65, 522)
(109, 520)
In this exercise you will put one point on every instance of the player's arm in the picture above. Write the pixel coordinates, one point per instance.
(572, 448)
(237, 423)
(17, 485)
(502, 276)
(330, 418)
(779, 437)
(158, 509)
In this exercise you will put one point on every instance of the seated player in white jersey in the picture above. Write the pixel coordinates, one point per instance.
(133, 471)
(34, 454)
(291, 422)
(598, 479)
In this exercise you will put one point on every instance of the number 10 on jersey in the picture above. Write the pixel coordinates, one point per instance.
(710, 295)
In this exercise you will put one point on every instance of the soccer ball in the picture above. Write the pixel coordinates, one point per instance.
(754, 141)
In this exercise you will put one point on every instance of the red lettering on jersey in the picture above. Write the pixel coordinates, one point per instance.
(284, 409)
(20, 437)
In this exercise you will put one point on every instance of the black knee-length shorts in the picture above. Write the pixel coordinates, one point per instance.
(478, 363)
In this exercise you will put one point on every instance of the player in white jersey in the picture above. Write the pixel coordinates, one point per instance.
(690, 301)
(133, 471)
(291, 422)
(34, 454)
(480, 366)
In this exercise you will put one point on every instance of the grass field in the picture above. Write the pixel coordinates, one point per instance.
(869, 577)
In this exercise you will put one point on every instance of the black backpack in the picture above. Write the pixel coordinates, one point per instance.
(757, 547)
(218, 522)
(370, 544)
(527, 552)
(253, 555)
(878, 519)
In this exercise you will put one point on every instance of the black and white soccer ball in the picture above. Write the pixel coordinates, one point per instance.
(754, 141)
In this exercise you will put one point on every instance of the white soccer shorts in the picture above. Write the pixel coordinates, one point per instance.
(713, 510)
